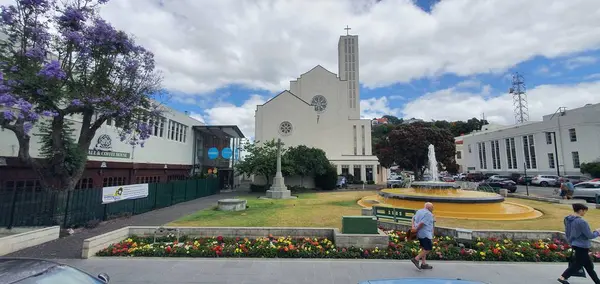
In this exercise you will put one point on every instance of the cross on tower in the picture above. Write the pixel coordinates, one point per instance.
(347, 30)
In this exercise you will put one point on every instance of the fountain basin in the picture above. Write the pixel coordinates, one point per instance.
(452, 195)
(434, 185)
(453, 203)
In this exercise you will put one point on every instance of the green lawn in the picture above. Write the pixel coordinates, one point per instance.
(322, 209)
(325, 209)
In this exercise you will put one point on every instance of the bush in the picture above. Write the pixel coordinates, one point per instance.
(328, 180)
(592, 169)
(371, 182)
(258, 188)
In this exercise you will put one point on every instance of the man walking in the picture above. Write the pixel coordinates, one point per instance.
(579, 235)
(423, 223)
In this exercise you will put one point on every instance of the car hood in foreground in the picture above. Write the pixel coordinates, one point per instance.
(420, 281)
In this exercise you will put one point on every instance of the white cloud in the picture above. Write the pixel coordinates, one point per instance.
(576, 62)
(204, 45)
(376, 107)
(454, 104)
(230, 114)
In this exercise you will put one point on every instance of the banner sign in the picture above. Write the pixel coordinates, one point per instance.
(117, 193)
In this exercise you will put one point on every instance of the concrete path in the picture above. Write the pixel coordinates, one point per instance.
(305, 271)
(70, 247)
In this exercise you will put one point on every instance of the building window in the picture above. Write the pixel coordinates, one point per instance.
(345, 169)
(469, 148)
(529, 152)
(551, 163)
(573, 135)
(511, 153)
(175, 177)
(157, 126)
(369, 172)
(495, 155)
(152, 179)
(362, 130)
(114, 181)
(482, 156)
(85, 183)
(576, 163)
(355, 146)
(357, 176)
(458, 155)
(548, 138)
(177, 131)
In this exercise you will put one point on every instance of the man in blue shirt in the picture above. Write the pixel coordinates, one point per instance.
(423, 223)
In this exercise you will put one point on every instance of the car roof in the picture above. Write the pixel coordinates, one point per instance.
(420, 281)
(17, 269)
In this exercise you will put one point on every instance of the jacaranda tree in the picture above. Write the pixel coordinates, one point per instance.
(61, 63)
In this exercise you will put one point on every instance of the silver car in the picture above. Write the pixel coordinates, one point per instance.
(587, 190)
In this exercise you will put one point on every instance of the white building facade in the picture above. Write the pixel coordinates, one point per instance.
(322, 110)
(177, 147)
(558, 144)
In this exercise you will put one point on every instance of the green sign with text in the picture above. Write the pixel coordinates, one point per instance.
(108, 154)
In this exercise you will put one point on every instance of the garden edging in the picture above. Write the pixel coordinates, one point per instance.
(20, 238)
(368, 241)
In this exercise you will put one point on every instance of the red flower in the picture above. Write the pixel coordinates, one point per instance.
(220, 239)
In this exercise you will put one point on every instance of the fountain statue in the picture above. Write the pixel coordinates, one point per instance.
(450, 200)
(433, 171)
(435, 183)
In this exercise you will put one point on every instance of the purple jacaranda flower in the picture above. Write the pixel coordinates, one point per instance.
(8, 115)
(76, 102)
(27, 126)
(52, 70)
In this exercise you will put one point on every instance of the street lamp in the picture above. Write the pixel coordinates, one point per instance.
(555, 152)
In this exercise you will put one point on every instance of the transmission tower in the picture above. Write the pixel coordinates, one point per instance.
(519, 94)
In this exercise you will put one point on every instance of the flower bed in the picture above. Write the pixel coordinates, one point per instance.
(445, 248)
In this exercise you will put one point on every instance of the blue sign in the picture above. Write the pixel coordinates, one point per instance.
(213, 153)
(226, 153)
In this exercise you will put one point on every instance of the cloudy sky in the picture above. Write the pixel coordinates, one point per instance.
(428, 59)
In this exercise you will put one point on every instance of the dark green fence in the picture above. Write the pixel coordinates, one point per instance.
(79, 207)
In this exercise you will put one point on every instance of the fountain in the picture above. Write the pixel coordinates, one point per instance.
(450, 200)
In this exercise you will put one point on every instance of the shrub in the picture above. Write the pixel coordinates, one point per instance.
(258, 188)
(371, 182)
(592, 168)
(328, 180)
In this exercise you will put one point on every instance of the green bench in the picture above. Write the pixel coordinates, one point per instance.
(397, 214)
(359, 225)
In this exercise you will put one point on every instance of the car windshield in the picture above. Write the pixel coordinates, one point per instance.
(61, 275)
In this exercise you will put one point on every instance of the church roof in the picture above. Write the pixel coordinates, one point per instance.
(286, 91)
(319, 67)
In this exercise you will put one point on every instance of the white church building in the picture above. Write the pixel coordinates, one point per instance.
(322, 110)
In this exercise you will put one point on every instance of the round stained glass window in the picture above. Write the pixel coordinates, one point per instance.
(285, 128)
(319, 103)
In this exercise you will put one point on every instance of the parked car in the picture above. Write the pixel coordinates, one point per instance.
(33, 271)
(448, 179)
(488, 175)
(498, 178)
(587, 190)
(574, 179)
(421, 281)
(396, 182)
(545, 180)
(523, 180)
(475, 177)
(508, 184)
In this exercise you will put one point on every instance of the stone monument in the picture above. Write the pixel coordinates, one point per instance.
(278, 189)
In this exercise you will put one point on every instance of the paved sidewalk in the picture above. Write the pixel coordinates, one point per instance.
(309, 271)
(70, 247)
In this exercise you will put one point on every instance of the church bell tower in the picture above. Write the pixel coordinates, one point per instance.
(348, 70)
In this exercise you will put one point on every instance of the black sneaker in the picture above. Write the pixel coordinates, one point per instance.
(416, 263)
(562, 281)
(426, 266)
